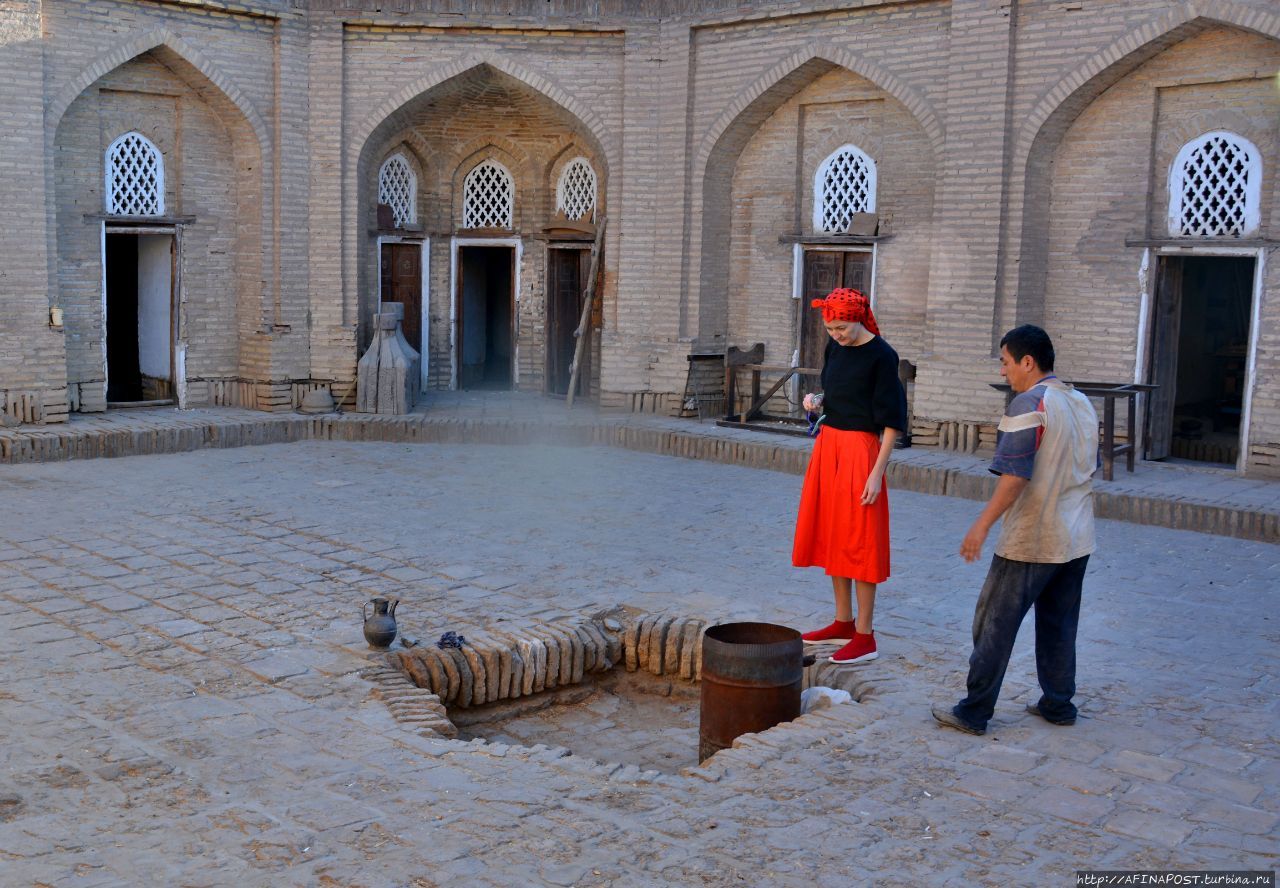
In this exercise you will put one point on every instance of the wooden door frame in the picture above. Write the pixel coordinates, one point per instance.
(177, 348)
(553, 247)
(455, 283)
(1150, 278)
(424, 293)
(797, 294)
(797, 277)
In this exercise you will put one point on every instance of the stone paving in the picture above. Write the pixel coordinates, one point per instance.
(183, 704)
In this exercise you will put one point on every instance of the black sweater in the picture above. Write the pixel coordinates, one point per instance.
(861, 390)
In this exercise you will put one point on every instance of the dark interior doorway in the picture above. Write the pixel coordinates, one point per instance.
(1200, 352)
(401, 268)
(139, 312)
(824, 271)
(485, 312)
(566, 288)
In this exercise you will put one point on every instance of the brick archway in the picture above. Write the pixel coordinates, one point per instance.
(233, 195)
(1046, 125)
(136, 46)
(365, 142)
(715, 159)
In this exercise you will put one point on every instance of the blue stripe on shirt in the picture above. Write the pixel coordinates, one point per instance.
(1016, 451)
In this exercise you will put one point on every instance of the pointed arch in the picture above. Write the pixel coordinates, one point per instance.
(1073, 92)
(249, 285)
(537, 82)
(136, 46)
(367, 137)
(833, 56)
(1044, 127)
(703, 310)
(466, 155)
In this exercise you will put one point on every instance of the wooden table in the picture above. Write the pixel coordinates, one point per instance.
(1108, 391)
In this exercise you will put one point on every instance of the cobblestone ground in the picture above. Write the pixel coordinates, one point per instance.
(180, 644)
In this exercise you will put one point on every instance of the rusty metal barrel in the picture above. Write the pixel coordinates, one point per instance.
(751, 680)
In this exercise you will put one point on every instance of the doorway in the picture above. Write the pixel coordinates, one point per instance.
(401, 281)
(824, 271)
(568, 270)
(485, 312)
(138, 304)
(1199, 358)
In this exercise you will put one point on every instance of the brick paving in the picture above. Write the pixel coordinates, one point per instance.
(183, 705)
(1186, 496)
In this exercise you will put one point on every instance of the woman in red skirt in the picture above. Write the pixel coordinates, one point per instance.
(843, 525)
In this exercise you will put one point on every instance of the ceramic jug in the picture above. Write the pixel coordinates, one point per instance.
(380, 629)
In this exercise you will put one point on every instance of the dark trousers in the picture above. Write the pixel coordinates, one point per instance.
(1013, 588)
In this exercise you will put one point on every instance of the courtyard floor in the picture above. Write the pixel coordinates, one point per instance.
(182, 701)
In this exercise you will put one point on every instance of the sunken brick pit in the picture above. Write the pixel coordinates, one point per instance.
(558, 683)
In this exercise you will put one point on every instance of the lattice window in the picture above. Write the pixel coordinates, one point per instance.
(135, 177)
(845, 184)
(488, 194)
(576, 190)
(1214, 187)
(398, 189)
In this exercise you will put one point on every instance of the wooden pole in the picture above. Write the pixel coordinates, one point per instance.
(582, 334)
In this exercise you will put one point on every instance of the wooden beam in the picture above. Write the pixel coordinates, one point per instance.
(582, 334)
(852, 240)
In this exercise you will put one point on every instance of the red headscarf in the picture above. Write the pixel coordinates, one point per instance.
(847, 305)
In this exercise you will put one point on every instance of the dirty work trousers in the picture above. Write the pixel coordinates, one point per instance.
(1013, 588)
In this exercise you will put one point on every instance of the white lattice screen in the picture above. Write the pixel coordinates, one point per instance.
(845, 184)
(135, 177)
(1214, 187)
(398, 189)
(488, 194)
(576, 190)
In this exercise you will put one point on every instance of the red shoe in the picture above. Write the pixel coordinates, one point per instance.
(838, 631)
(860, 650)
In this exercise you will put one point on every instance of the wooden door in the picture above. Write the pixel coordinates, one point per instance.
(566, 288)
(1165, 323)
(402, 282)
(824, 271)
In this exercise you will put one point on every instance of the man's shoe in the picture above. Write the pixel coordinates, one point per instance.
(1034, 709)
(860, 649)
(948, 717)
(838, 631)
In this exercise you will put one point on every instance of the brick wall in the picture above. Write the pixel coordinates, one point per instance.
(206, 178)
(772, 196)
(996, 121)
(32, 359)
(479, 115)
(1122, 146)
(455, 96)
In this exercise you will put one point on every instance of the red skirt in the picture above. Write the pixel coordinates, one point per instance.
(834, 530)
